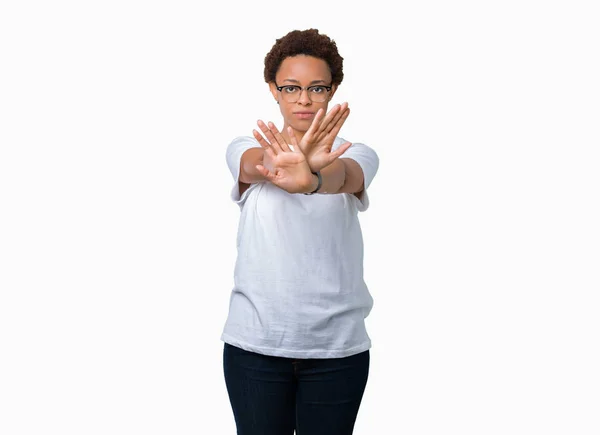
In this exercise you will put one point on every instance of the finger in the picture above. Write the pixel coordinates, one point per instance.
(292, 136)
(263, 143)
(294, 140)
(341, 115)
(314, 126)
(270, 137)
(301, 145)
(265, 172)
(330, 127)
(282, 142)
(330, 117)
(335, 128)
(340, 150)
(336, 119)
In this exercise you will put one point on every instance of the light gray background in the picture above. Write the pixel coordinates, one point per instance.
(117, 235)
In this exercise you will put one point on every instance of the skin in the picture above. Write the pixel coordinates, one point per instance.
(311, 139)
(314, 135)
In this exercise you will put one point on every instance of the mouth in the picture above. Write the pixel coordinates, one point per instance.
(304, 115)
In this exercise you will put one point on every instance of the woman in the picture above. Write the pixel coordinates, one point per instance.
(296, 351)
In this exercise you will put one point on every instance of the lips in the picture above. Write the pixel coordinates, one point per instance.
(304, 115)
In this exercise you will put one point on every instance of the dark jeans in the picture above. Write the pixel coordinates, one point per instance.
(272, 395)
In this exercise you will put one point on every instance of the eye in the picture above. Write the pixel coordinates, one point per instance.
(317, 89)
(290, 89)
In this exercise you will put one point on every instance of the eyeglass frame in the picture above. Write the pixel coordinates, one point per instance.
(327, 88)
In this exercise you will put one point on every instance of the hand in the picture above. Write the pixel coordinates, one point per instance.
(317, 142)
(283, 167)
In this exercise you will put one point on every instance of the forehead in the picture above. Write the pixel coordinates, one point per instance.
(304, 69)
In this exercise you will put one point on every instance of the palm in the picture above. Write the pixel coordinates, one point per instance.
(285, 167)
(320, 156)
(290, 170)
(317, 142)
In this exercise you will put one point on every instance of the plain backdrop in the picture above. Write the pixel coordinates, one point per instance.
(117, 233)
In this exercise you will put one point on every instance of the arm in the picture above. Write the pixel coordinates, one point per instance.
(284, 166)
(344, 175)
(248, 172)
(276, 163)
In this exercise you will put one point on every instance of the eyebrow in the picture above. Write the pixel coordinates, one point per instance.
(311, 83)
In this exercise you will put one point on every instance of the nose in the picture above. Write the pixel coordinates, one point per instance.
(304, 98)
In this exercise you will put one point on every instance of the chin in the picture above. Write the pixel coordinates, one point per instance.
(301, 125)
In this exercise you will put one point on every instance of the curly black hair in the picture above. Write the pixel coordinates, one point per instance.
(308, 42)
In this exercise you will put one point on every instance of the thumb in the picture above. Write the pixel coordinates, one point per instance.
(341, 150)
(269, 175)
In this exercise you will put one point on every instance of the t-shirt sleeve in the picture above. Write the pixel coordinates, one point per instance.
(235, 149)
(368, 160)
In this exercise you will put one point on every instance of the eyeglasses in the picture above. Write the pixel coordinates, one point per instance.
(316, 93)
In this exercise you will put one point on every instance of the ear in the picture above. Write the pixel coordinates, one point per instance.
(274, 91)
(333, 89)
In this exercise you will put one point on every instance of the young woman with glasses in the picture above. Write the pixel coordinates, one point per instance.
(296, 351)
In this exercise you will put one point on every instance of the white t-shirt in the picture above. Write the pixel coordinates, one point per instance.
(298, 288)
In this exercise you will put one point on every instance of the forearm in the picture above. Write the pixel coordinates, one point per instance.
(248, 172)
(292, 180)
(333, 177)
(342, 176)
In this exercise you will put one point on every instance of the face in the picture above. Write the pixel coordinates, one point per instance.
(301, 71)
